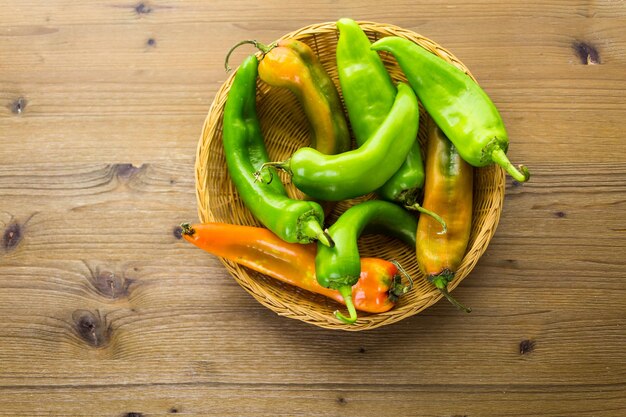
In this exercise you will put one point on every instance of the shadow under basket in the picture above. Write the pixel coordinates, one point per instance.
(285, 129)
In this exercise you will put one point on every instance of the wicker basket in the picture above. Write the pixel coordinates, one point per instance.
(285, 128)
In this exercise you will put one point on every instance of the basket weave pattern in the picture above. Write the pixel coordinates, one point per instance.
(285, 129)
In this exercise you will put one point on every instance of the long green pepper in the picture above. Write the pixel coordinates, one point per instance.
(368, 94)
(368, 90)
(292, 220)
(339, 267)
(458, 105)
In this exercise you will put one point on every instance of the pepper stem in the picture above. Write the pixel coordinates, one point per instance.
(261, 47)
(397, 288)
(499, 157)
(346, 293)
(312, 229)
(441, 283)
(187, 229)
(417, 207)
(282, 165)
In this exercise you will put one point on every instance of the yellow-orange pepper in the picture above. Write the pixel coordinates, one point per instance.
(292, 64)
(448, 192)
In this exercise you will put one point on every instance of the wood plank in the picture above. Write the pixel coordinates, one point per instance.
(174, 137)
(320, 400)
(174, 51)
(596, 90)
(567, 351)
(128, 140)
(68, 13)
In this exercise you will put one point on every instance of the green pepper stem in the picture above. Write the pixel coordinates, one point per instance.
(311, 228)
(282, 165)
(397, 288)
(417, 207)
(441, 283)
(261, 47)
(346, 293)
(499, 157)
(450, 298)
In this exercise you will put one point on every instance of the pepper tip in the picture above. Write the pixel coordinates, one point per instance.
(346, 293)
(326, 239)
(187, 229)
(498, 155)
(525, 172)
(344, 319)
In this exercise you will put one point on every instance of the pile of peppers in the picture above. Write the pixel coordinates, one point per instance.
(424, 196)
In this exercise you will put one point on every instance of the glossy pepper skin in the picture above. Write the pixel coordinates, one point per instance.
(368, 90)
(292, 220)
(449, 192)
(376, 291)
(339, 267)
(368, 94)
(292, 64)
(459, 106)
(359, 171)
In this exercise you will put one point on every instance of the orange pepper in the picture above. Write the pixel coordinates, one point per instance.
(447, 192)
(376, 291)
(292, 64)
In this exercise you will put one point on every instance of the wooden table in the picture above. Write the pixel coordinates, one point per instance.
(104, 311)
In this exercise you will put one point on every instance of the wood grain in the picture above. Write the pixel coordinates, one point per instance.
(105, 311)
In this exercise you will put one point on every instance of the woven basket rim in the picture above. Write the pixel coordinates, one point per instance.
(269, 300)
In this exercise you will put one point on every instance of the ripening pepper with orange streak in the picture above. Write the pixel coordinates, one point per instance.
(448, 191)
(292, 64)
(376, 291)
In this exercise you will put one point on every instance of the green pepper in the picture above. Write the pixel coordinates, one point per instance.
(339, 267)
(244, 148)
(368, 90)
(359, 171)
(459, 106)
(368, 94)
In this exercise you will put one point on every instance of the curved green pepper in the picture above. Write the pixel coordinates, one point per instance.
(368, 94)
(359, 171)
(459, 106)
(339, 267)
(244, 148)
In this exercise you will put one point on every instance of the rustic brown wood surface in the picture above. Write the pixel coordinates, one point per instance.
(105, 311)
